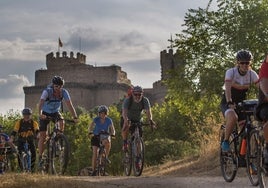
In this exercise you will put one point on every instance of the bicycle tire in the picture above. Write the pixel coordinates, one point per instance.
(60, 153)
(228, 160)
(263, 180)
(138, 165)
(251, 157)
(101, 163)
(127, 160)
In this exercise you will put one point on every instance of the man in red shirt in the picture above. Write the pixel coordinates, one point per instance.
(262, 113)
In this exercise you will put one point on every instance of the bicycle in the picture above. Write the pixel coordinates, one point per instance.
(57, 153)
(102, 155)
(236, 157)
(133, 157)
(4, 161)
(25, 158)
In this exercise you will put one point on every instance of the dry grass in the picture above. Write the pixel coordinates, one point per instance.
(206, 164)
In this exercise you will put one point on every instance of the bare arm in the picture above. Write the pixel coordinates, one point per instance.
(228, 94)
(41, 103)
(264, 86)
(71, 108)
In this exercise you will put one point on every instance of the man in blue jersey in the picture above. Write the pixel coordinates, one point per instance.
(49, 108)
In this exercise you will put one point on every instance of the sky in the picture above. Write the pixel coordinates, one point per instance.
(128, 33)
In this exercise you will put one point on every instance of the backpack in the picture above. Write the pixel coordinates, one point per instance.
(50, 96)
(24, 128)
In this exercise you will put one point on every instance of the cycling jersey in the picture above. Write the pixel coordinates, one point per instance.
(52, 103)
(135, 109)
(233, 75)
(99, 126)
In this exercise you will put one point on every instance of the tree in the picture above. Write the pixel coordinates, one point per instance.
(212, 37)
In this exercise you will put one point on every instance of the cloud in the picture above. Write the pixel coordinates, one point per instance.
(12, 86)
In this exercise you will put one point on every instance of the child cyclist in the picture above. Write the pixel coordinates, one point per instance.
(101, 123)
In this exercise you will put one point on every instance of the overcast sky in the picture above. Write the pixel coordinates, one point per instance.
(129, 33)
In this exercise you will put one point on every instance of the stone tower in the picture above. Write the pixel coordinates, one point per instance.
(88, 86)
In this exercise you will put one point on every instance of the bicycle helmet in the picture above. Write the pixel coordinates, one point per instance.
(137, 89)
(27, 111)
(244, 56)
(103, 108)
(58, 80)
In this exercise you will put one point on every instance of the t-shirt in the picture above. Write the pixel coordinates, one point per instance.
(233, 75)
(52, 103)
(99, 126)
(3, 139)
(263, 73)
(135, 109)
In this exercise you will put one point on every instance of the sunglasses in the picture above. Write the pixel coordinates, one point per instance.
(137, 94)
(57, 86)
(244, 63)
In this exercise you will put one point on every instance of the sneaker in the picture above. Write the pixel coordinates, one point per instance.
(225, 146)
(253, 169)
(138, 163)
(94, 173)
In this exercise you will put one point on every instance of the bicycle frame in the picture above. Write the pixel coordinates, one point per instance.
(26, 157)
(101, 158)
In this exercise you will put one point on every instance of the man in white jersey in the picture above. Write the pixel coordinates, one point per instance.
(237, 82)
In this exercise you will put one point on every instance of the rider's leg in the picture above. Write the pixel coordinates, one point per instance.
(41, 141)
(231, 120)
(33, 154)
(61, 123)
(94, 157)
(124, 134)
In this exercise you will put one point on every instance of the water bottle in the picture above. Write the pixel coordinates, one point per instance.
(243, 149)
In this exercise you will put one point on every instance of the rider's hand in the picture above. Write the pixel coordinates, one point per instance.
(42, 116)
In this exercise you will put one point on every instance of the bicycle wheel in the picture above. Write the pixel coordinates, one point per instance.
(127, 160)
(60, 154)
(101, 162)
(228, 160)
(23, 162)
(251, 157)
(262, 173)
(138, 156)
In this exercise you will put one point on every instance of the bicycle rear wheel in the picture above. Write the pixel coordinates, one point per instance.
(127, 160)
(228, 160)
(138, 156)
(251, 157)
(60, 154)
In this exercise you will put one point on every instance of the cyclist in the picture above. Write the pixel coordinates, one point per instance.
(49, 107)
(101, 123)
(237, 82)
(27, 129)
(132, 111)
(262, 109)
(4, 139)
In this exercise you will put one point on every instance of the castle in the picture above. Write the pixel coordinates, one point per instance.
(91, 86)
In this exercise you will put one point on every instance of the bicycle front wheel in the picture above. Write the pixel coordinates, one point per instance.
(252, 157)
(101, 163)
(229, 160)
(262, 173)
(60, 154)
(127, 160)
(138, 156)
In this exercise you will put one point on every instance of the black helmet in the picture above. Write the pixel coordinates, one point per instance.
(137, 89)
(103, 108)
(58, 80)
(27, 111)
(244, 56)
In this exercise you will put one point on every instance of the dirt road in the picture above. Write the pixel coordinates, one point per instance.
(40, 181)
